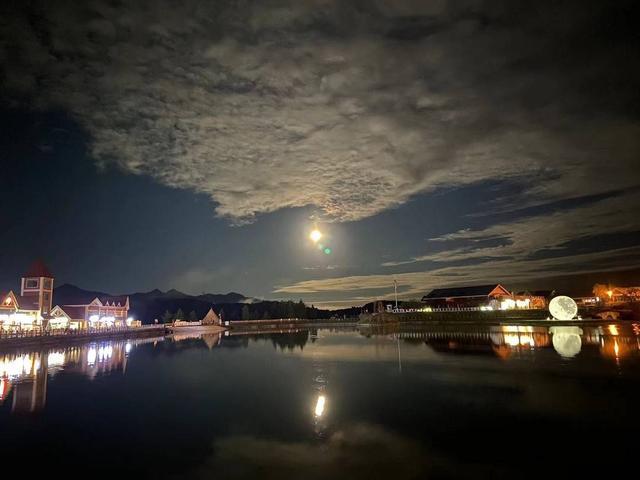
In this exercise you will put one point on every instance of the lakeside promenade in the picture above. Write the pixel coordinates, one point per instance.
(35, 337)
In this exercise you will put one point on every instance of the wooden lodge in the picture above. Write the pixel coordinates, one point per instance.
(492, 296)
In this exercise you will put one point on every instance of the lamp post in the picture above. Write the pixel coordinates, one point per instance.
(395, 291)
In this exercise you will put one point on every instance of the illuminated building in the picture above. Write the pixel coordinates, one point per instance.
(587, 301)
(614, 295)
(71, 316)
(491, 297)
(32, 308)
(100, 312)
(537, 298)
(464, 297)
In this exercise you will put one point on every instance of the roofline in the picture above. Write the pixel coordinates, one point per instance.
(456, 296)
(495, 286)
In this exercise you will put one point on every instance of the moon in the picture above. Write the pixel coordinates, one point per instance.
(563, 308)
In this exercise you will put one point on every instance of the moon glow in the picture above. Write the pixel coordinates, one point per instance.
(315, 235)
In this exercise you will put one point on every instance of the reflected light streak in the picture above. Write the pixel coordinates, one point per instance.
(21, 365)
(319, 411)
(515, 340)
(55, 359)
(91, 356)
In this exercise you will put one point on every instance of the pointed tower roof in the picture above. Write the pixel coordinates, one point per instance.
(211, 318)
(38, 269)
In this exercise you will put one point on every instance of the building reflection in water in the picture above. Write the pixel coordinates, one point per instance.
(211, 340)
(25, 374)
(502, 341)
(612, 341)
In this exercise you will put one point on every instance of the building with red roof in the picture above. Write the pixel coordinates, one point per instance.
(32, 309)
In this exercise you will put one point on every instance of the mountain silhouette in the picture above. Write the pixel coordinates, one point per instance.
(148, 306)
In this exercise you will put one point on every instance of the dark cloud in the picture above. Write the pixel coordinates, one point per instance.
(349, 107)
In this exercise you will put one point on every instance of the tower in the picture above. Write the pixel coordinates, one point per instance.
(38, 283)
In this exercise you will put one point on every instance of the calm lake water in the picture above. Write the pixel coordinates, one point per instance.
(439, 402)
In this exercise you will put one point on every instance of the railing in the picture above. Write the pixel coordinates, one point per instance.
(447, 309)
(37, 332)
(267, 321)
(457, 309)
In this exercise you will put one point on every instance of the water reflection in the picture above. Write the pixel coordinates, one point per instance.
(566, 340)
(211, 340)
(25, 373)
(470, 400)
(288, 339)
(319, 386)
(319, 410)
(356, 451)
(615, 341)
(611, 341)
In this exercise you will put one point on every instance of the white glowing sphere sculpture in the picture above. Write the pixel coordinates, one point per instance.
(563, 308)
(566, 340)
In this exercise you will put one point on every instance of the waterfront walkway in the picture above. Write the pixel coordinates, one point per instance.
(37, 337)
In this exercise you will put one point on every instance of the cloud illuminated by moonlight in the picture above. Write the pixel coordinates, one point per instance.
(348, 108)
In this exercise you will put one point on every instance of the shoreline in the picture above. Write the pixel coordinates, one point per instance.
(47, 340)
(196, 329)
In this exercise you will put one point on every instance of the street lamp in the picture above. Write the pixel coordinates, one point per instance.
(395, 291)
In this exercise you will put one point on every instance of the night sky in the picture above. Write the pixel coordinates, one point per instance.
(195, 144)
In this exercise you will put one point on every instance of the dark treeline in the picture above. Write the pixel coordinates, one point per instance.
(286, 309)
(168, 311)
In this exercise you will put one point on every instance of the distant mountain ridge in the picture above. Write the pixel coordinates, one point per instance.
(150, 305)
(68, 294)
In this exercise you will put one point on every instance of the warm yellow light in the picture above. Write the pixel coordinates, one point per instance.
(610, 293)
(320, 406)
(315, 235)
